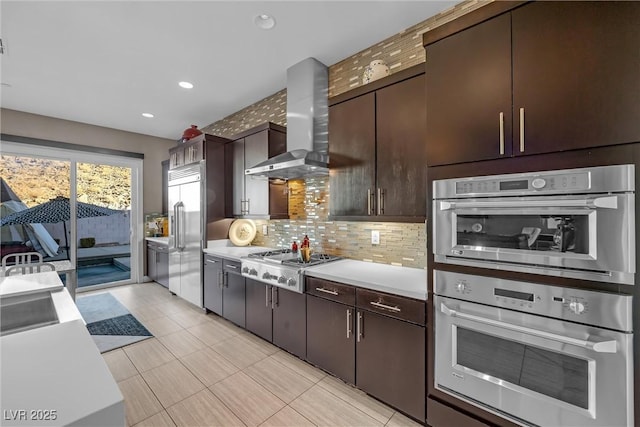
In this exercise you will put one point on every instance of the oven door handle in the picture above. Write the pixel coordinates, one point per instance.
(609, 346)
(605, 202)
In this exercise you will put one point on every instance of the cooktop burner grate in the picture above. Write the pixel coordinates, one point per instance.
(273, 252)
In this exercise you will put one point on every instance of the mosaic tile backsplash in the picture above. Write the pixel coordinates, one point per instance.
(400, 243)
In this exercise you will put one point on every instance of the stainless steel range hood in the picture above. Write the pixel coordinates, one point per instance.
(307, 120)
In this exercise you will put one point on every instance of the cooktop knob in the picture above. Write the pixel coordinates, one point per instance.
(253, 272)
(282, 280)
(461, 287)
(538, 183)
(266, 275)
(291, 282)
(576, 307)
(245, 269)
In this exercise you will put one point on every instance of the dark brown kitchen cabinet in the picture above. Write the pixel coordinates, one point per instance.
(212, 149)
(233, 294)
(277, 315)
(376, 151)
(590, 97)
(213, 284)
(186, 153)
(158, 263)
(544, 77)
(468, 94)
(259, 311)
(224, 289)
(249, 196)
(352, 158)
(330, 338)
(390, 350)
(371, 339)
(289, 321)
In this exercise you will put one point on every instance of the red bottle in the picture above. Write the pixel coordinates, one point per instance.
(305, 241)
(294, 247)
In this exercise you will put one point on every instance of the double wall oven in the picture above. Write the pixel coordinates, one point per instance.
(528, 350)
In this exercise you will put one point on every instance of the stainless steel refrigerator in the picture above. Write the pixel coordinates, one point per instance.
(186, 231)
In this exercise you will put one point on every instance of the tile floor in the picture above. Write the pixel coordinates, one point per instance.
(201, 370)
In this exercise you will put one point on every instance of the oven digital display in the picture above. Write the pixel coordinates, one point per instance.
(514, 185)
(513, 294)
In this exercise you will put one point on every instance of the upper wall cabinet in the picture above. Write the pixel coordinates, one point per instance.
(211, 149)
(250, 196)
(544, 77)
(376, 150)
(186, 153)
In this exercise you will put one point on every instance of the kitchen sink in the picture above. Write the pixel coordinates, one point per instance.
(24, 312)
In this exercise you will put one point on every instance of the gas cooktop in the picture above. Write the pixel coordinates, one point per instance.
(281, 267)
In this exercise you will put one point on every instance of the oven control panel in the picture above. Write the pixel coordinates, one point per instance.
(601, 179)
(602, 309)
(570, 182)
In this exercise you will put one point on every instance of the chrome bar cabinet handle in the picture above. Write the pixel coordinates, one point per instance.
(522, 130)
(348, 323)
(359, 327)
(327, 291)
(501, 133)
(266, 296)
(395, 309)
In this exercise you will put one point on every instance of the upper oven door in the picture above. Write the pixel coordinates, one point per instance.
(532, 368)
(581, 236)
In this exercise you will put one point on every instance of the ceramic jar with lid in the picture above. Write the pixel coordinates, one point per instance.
(374, 71)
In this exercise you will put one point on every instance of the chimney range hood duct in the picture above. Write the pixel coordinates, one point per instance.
(307, 121)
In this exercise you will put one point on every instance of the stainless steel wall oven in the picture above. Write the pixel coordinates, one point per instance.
(535, 354)
(577, 223)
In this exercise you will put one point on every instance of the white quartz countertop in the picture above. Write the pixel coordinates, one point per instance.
(404, 281)
(57, 372)
(226, 249)
(54, 375)
(30, 283)
(161, 240)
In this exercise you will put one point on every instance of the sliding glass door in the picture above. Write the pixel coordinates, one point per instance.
(103, 244)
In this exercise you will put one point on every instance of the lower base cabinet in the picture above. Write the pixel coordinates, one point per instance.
(277, 315)
(158, 263)
(224, 289)
(390, 361)
(372, 340)
(233, 294)
(330, 338)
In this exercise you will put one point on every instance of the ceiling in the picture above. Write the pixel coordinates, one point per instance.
(107, 62)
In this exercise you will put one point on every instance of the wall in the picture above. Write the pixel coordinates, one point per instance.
(400, 243)
(155, 149)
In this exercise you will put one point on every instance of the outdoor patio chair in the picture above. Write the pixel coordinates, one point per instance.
(21, 258)
(30, 268)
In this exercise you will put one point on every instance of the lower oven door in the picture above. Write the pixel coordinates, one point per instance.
(532, 369)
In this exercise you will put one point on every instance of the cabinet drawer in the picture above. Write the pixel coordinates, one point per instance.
(331, 290)
(391, 305)
(210, 259)
(231, 266)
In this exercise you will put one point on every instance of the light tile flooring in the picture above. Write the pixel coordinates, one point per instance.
(201, 370)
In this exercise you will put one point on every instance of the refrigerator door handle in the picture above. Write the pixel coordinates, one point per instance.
(173, 232)
(181, 224)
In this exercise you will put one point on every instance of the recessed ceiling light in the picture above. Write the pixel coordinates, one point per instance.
(147, 115)
(264, 21)
(186, 85)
